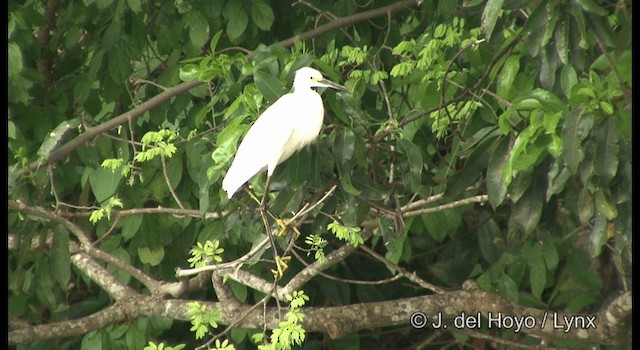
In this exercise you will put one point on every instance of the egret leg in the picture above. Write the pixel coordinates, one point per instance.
(265, 220)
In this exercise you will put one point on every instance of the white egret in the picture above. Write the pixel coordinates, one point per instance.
(284, 128)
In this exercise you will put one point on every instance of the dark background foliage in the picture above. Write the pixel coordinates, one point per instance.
(481, 140)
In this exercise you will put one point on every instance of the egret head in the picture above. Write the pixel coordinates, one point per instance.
(307, 77)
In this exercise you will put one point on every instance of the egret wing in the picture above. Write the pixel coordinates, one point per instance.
(262, 145)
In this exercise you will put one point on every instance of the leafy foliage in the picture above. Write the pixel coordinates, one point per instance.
(201, 319)
(485, 140)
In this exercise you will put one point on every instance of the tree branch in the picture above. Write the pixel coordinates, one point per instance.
(90, 133)
(339, 321)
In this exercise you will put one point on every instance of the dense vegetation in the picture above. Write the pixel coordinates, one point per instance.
(479, 166)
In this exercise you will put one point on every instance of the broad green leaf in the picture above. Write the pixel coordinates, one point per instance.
(538, 278)
(261, 14)
(298, 167)
(496, 187)
(56, 138)
(15, 60)
(607, 151)
(577, 125)
(556, 179)
(174, 170)
(490, 241)
(61, 257)
(547, 73)
(603, 205)
(134, 5)
(528, 210)
(550, 256)
(152, 256)
(237, 19)
(549, 101)
(561, 37)
(475, 164)
(119, 67)
(533, 28)
(585, 206)
(490, 16)
(198, 28)
(414, 157)
(345, 182)
(135, 336)
(592, 6)
(130, 225)
(104, 183)
(508, 288)
(598, 235)
(568, 78)
(239, 290)
(270, 87)
(343, 148)
(442, 224)
(92, 340)
(507, 76)
(393, 241)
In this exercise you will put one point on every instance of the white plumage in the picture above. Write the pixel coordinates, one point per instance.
(291, 123)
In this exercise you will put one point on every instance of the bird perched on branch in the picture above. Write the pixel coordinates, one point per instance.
(284, 128)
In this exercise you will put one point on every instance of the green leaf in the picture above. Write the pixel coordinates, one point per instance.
(508, 75)
(56, 138)
(15, 60)
(343, 148)
(237, 19)
(556, 179)
(198, 28)
(345, 183)
(270, 87)
(475, 164)
(490, 241)
(550, 256)
(577, 125)
(134, 5)
(61, 257)
(604, 206)
(598, 235)
(592, 6)
(214, 41)
(104, 183)
(508, 288)
(496, 187)
(130, 225)
(528, 210)
(490, 16)
(607, 150)
(135, 336)
(585, 206)
(119, 67)
(561, 37)
(92, 340)
(538, 278)
(152, 256)
(568, 79)
(262, 14)
(414, 156)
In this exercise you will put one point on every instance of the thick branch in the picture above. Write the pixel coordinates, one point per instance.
(112, 123)
(339, 321)
(347, 21)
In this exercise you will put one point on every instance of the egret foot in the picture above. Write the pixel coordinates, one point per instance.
(284, 225)
(282, 264)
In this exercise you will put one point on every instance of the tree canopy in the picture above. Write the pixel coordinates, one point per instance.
(472, 189)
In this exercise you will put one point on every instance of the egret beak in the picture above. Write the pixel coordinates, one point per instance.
(330, 84)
